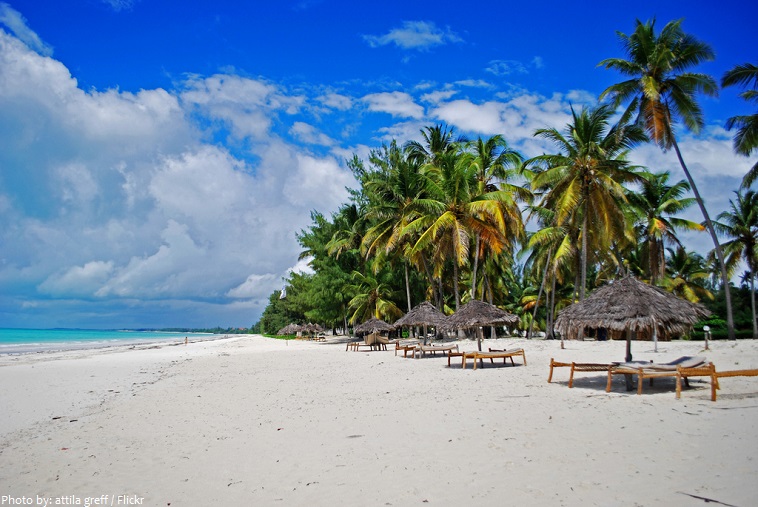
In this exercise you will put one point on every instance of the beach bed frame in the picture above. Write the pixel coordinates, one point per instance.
(371, 341)
(406, 346)
(577, 367)
(491, 355)
(680, 369)
(433, 349)
(728, 373)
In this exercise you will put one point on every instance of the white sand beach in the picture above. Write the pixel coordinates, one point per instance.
(257, 421)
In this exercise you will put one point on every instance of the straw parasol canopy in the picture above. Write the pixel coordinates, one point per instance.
(632, 306)
(424, 314)
(312, 328)
(476, 314)
(372, 326)
(289, 329)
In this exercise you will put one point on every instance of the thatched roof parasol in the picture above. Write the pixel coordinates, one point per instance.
(630, 305)
(311, 328)
(424, 314)
(477, 313)
(372, 326)
(289, 329)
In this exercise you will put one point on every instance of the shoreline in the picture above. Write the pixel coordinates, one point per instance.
(52, 347)
(255, 420)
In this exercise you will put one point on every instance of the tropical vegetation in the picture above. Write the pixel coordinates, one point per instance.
(449, 219)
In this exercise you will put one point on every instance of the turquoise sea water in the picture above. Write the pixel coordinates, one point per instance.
(20, 341)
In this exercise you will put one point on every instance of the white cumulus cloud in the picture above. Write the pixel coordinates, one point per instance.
(395, 103)
(418, 35)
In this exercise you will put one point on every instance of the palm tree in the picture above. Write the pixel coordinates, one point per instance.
(492, 160)
(686, 275)
(583, 182)
(391, 190)
(655, 205)
(373, 299)
(350, 222)
(438, 142)
(740, 224)
(662, 92)
(453, 213)
(746, 138)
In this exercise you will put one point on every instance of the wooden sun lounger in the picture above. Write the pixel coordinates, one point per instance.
(728, 373)
(406, 346)
(371, 342)
(358, 345)
(492, 355)
(423, 349)
(575, 367)
(682, 368)
(706, 370)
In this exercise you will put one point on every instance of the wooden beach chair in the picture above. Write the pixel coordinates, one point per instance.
(577, 367)
(715, 376)
(406, 346)
(705, 370)
(381, 342)
(368, 342)
(492, 355)
(433, 349)
(651, 371)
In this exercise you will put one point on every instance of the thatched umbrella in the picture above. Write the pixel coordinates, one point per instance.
(632, 306)
(476, 314)
(311, 328)
(289, 329)
(424, 314)
(372, 326)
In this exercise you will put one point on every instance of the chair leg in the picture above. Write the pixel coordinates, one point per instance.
(550, 377)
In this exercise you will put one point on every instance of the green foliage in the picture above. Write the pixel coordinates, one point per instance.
(442, 222)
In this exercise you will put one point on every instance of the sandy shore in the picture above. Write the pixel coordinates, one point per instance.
(255, 421)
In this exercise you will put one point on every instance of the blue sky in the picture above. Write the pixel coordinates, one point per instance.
(157, 160)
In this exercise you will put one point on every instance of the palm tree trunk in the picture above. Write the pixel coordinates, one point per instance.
(653, 264)
(539, 295)
(551, 311)
(430, 277)
(476, 265)
(490, 299)
(584, 256)
(752, 303)
(455, 286)
(407, 285)
(714, 237)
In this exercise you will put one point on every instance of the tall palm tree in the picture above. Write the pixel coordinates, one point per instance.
(492, 161)
(439, 144)
(583, 183)
(740, 225)
(439, 141)
(373, 299)
(746, 138)
(453, 213)
(391, 189)
(655, 205)
(686, 275)
(662, 92)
